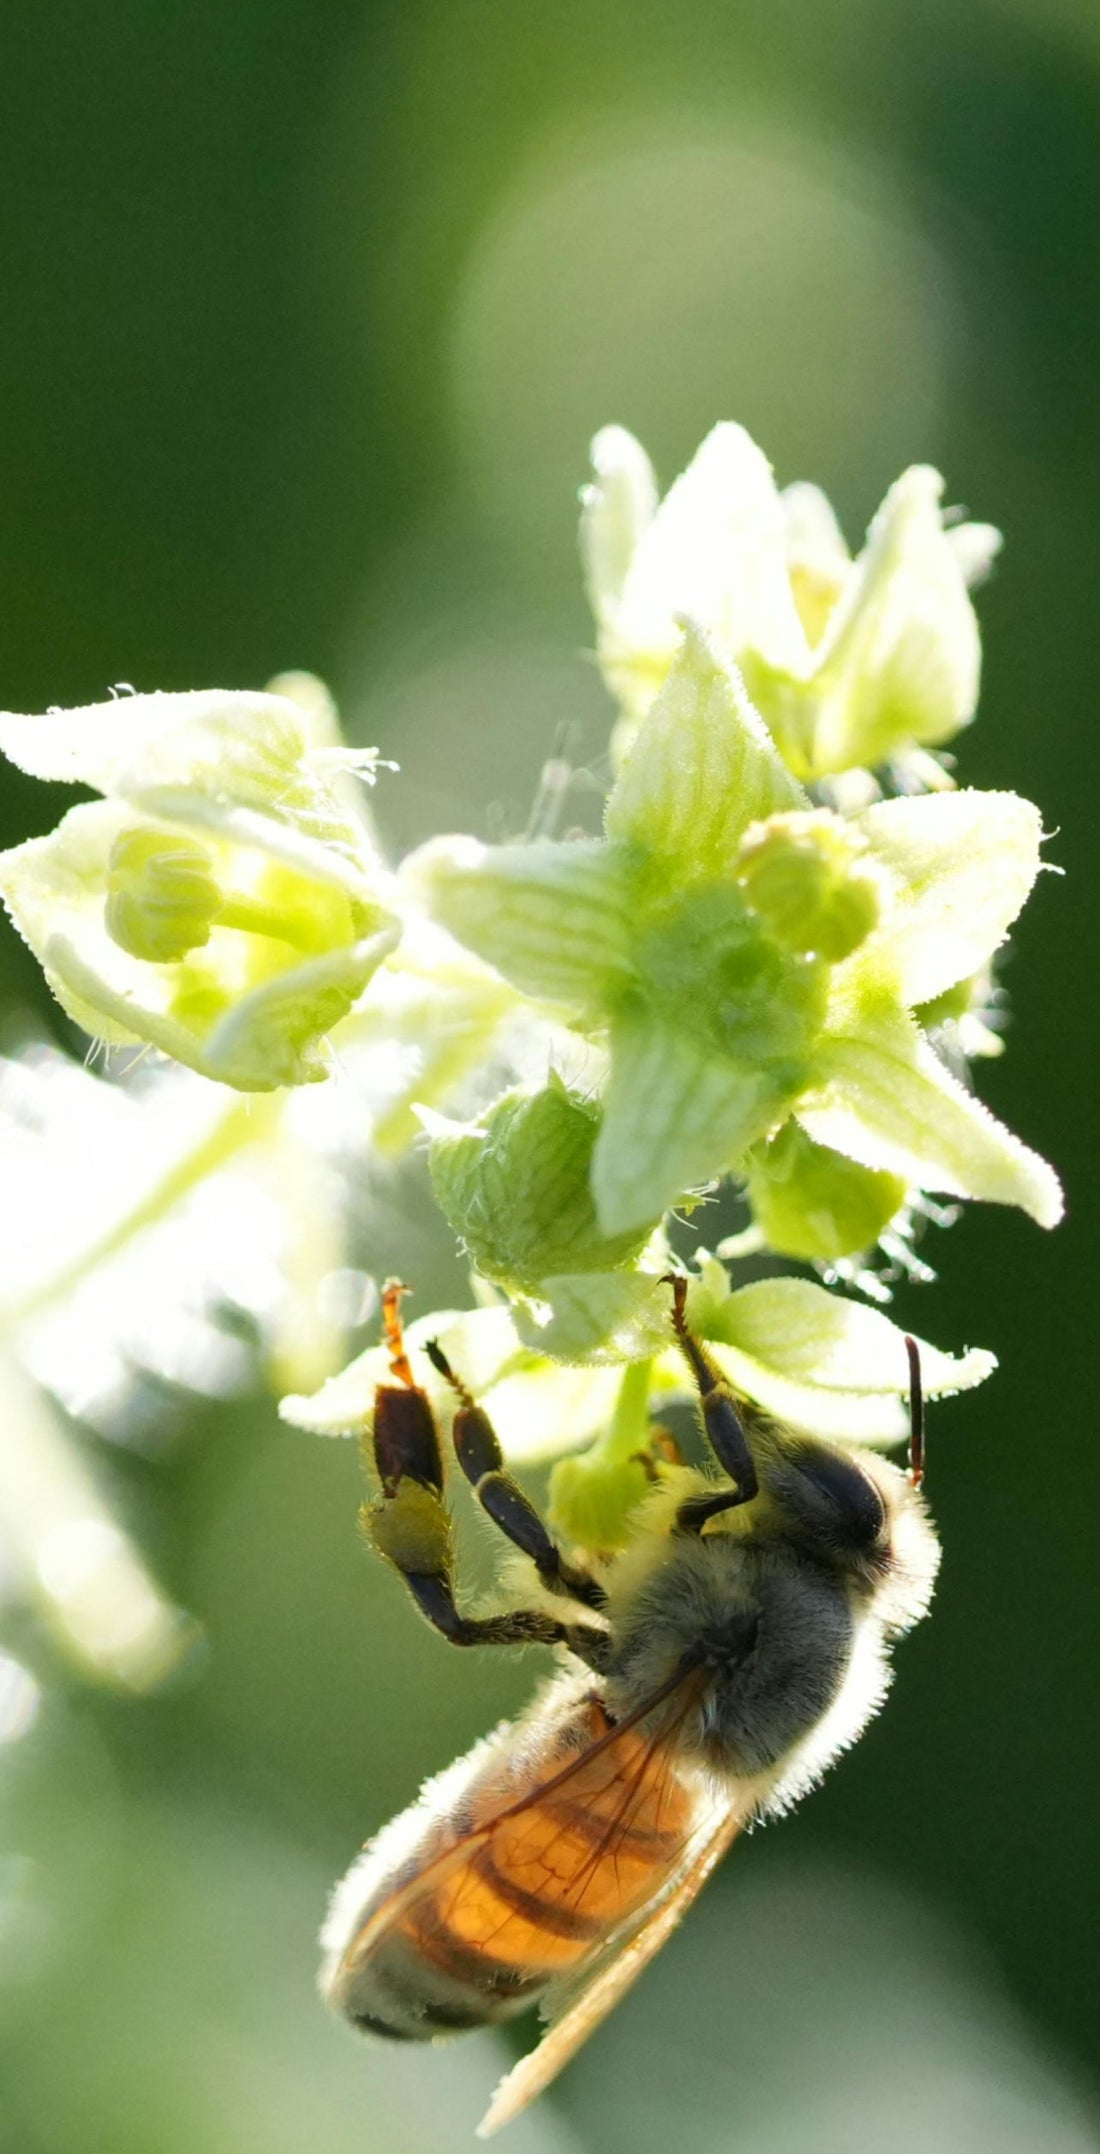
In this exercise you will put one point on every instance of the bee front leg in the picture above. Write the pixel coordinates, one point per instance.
(724, 1427)
(477, 1448)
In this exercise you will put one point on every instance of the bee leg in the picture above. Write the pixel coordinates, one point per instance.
(723, 1424)
(477, 1448)
(434, 1596)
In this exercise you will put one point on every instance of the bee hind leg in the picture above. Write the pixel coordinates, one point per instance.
(477, 1448)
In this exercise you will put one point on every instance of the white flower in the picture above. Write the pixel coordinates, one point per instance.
(851, 663)
(220, 902)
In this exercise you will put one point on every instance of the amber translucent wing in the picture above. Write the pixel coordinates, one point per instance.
(613, 1974)
(532, 1891)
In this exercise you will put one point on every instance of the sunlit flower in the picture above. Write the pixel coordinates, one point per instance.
(220, 902)
(708, 981)
(851, 663)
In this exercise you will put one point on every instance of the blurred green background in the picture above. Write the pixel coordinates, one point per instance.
(309, 310)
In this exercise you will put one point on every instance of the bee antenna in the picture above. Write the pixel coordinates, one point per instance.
(916, 1414)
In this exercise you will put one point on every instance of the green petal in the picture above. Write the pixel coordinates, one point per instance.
(556, 920)
(826, 1363)
(276, 1034)
(703, 768)
(962, 865)
(901, 658)
(816, 1204)
(882, 1096)
(676, 1114)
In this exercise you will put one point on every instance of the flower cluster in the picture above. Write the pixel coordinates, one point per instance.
(771, 964)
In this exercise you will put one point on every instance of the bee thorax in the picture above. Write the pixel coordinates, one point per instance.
(771, 1636)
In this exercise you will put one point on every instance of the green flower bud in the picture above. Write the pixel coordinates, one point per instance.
(161, 894)
(813, 1203)
(804, 877)
(592, 1500)
(516, 1189)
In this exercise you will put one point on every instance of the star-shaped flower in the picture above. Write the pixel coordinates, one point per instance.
(743, 958)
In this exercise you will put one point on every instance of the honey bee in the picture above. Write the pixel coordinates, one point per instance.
(720, 1662)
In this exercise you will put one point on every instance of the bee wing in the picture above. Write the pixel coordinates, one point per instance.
(627, 1789)
(616, 1969)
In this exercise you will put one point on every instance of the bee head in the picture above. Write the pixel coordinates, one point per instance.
(828, 1506)
(859, 1516)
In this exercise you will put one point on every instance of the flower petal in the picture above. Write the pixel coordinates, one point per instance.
(676, 1113)
(901, 658)
(235, 762)
(556, 920)
(716, 550)
(703, 767)
(617, 509)
(826, 1363)
(538, 1408)
(975, 547)
(882, 1096)
(962, 865)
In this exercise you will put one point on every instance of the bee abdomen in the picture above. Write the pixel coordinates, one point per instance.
(411, 1994)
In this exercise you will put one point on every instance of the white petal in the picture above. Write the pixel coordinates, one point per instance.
(106, 744)
(237, 763)
(538, 1408)
(883, 1097)
(715, 551)
(826, 1363)
(962, 865)
(616, 509)
(901, 658)
(975, 547)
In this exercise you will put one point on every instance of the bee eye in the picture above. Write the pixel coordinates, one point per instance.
(850, 1508)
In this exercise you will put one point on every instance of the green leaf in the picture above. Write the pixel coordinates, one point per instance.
(556, 920)
(882, 1096)
(701, 770)
(962, 865)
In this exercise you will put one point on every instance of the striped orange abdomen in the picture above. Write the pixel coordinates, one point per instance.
(536, 1866)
